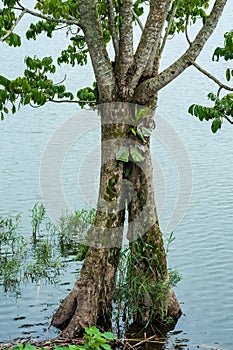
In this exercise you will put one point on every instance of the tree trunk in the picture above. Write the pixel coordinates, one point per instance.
(90, 301)
(122, 183)
(154, 299)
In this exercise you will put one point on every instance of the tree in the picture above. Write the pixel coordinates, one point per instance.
(125, 93)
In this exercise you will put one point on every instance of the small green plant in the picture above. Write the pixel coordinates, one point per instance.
(38, 215)
(93, 339)
(96, 339)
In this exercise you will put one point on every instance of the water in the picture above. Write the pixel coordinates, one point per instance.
(202, 250)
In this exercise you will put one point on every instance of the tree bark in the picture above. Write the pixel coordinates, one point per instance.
(90, 301)
(157, 301)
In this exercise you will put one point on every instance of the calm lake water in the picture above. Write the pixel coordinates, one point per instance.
(202, 250)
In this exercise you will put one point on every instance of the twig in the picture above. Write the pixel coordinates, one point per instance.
(138, 20)
(69, 101)
(112, 27)
(143, 341)
(186, 30)
(174, 9)
(228, 119)
(210, 76)
(62, 81)
(68, 21)
(13, 26)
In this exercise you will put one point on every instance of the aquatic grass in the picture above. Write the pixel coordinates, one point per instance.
(38, 216)
(44, 254)
(131, 286)
(24, 260)
(73, 230)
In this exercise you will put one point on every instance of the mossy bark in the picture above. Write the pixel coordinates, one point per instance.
(122, 185)
(90, 301)
(157, 301)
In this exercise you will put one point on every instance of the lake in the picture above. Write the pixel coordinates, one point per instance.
(203, 245)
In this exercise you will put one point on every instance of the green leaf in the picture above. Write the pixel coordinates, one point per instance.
(228, 74)
(136, 154)
(123, 154)
(140, 134)
(216, 125)
(108, 335)
(191, 109)
(133, 131)
(29, 347)
(146, 132)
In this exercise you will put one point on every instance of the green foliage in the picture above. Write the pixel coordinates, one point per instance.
(222, 109)
(41, 256)
(24, 260)
(227, 50)
(188, 11)
(7, 20)
(38, 215)
(96, 339)
(138, 7)
(88, 95)
(33, 88)
(132, 152)
(123, 154)
(40, 27)
(76, 53)
(93, 339)
(57, 8)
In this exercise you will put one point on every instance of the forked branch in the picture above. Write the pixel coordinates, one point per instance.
(150, 38)
(151, 86)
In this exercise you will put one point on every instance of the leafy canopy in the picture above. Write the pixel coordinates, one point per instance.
(36, 86)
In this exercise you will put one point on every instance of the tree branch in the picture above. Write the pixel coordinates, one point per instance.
(111, 19)
(69, 21)
(69, 101)
(154, 61)
(137, 20)
(186, 30)
(151, 86)
(210, 76)
(13, 26)
(150, 38)
(228, 119)
(126, 42)
(91, 26)
(167, 30)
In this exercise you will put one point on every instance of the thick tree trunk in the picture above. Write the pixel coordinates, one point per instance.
(90, 301)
